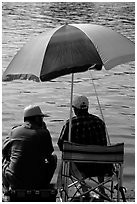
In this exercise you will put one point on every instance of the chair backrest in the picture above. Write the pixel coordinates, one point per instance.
(93, 153)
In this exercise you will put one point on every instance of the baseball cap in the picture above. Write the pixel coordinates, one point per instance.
(80, 102)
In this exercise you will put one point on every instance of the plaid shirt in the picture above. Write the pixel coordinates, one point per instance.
(86, 129)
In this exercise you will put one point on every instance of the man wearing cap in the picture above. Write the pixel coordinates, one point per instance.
(85, 129)
(28, 159)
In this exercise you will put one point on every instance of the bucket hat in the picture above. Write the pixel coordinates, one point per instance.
(33, 110)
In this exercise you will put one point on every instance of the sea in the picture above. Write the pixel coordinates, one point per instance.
(115, 88)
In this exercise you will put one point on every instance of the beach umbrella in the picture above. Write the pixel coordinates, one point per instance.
(69, 49)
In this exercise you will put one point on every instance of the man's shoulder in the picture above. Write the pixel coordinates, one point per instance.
(18, 129)
(16, 126)
(23, 131)
(96, 118)
(73, 119)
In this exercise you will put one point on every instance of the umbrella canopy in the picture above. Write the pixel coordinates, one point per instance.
(69, 49)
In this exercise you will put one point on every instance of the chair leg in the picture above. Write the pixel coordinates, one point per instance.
(65, 181)
(120, 178)
(121, 188)
(112, 189)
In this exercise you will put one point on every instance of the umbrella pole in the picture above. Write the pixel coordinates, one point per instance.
(71, 99)
(67, 166)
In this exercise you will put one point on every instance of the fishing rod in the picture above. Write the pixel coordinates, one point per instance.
(100, 107)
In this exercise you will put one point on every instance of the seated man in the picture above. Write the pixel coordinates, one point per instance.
(86, 129)
(28, 162)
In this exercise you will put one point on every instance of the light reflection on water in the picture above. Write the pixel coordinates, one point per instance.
(23, 20)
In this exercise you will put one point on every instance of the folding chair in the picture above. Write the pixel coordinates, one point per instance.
(71, 180)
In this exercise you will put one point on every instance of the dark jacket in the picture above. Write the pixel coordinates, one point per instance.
(24, 153)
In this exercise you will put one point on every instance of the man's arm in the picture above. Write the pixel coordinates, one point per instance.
(104, 137)
(6, 147)
(49, 146)
(63, 136)
(7, 144)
